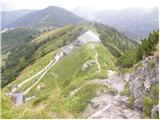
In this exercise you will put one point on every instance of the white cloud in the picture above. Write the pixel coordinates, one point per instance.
(70, 4)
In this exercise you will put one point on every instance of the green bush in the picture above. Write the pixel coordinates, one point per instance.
(156, 115)
(148, 45)
(155, 92)
(128, 59)
(131, 102)
(147, 104)
(39, 100)
(125, 91)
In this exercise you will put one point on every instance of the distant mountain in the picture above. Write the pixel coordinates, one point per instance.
(10, 16)
(134, 22)
(51, 16)
(85, 12)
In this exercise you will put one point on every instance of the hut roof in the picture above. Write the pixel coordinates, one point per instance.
(88, 36)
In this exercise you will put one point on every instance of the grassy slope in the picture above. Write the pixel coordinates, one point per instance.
(44, 45)
(69, 78)
(54, 98)
(47, 48)
(114, 40)
(54, 39)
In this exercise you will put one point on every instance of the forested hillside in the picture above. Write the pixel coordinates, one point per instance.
(51, 16)
(147, 48)
(17, 37)
(25, 54)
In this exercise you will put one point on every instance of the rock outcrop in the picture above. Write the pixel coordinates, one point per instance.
(154, 111)
(109, 103)
(142, 79)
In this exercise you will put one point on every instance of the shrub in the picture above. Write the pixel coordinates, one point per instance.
(147, 104)
(148, 45)
(155, 92)
(156, 115)
(65, 83)
(39, 100)
(125, 91)
(131, 102)
(128, 59)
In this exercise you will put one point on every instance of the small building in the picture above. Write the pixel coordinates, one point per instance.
(86, 37)
(67, 49)
(17, 99)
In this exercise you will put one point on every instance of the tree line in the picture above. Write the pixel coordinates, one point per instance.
(146, 48)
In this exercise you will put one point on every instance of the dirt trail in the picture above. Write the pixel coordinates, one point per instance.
(57, 57)
(96, 59)
(40, 72)
(93, 81)
(109, 105)
(72, 93)
(111, 82)
(34, 76)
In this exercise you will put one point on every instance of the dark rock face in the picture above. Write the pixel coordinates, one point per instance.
(142, 79)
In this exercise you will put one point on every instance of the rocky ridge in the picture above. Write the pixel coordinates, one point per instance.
(111, 104)
(141, 81)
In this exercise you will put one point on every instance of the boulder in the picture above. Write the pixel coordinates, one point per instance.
(41, 86)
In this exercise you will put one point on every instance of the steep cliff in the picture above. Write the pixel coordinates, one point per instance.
(144, 87)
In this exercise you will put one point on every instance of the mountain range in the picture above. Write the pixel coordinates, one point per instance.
(10, 16)
(51, 16)
(134, 22)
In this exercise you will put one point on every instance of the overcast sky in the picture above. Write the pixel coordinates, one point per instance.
(71, 4)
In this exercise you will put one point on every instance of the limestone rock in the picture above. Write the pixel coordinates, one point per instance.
(142, 79)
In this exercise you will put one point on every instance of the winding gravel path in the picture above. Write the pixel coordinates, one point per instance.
(40, 72)
(72, 93)
(92, 81)
(57, 57)
(96, 59)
